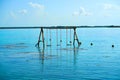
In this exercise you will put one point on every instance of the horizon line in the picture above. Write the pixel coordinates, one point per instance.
(57, 27)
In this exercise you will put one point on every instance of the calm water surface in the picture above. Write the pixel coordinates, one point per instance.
(21, 60)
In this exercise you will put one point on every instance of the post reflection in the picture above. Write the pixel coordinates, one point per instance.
(58, 53)
(75, 51)
(41, 55)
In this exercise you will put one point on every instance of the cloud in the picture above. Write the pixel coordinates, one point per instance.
(23, 11)
(110, 9)
(13, 15)
(108, 6)
(107, 15)
(76, 13)
(36, 5)
(17, 14)
(82, 12)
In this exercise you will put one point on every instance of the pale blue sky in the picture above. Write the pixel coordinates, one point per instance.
(59, 12)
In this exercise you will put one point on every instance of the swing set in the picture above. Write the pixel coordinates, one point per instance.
(58, 37)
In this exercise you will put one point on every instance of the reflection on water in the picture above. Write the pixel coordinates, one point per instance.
(76, 50)
(41, 55)
(45, 54)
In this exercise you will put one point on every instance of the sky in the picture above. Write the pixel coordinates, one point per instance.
(59, 12)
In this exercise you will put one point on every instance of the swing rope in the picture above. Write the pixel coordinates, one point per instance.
(50, 36)
(66, 36)
(60, 35)
(57, 37)
(47, 36)
(70, 37)
(68, 44)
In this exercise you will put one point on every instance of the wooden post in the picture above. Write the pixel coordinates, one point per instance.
(75, 38)
(41, 35)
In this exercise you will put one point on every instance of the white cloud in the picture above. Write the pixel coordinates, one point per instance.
(107, 15)
(36, 5)
(108, 6)
(23, 11)
(76, 13)
(82, 12)
(13, 15)
(17, 14)
(110, 9)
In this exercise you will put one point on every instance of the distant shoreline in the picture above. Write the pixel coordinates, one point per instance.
(59, 27)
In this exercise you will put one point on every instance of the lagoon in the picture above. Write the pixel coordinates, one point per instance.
(21, 60)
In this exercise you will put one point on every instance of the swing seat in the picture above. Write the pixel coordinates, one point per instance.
(69, 44)
(70, 41)
(48, 45)
(58, 44)
(60, 40)
(49, 39)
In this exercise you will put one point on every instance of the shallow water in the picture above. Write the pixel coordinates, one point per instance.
(21, 60)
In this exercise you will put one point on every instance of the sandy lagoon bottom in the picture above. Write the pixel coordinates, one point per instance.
(21, 60)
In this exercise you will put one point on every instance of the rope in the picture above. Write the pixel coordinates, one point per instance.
(70, 37)
(57, 36)
(66, 36)
(50, 36)
(47, 36)
(60, 35)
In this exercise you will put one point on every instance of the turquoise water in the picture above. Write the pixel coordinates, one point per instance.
(21, 60)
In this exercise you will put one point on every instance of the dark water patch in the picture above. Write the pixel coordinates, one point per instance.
(20, 43)
(98, 65)
(46, 57)
(106, 56)
(22, 55)
(69, 49)
(32, 55)
(51, 56)
(91, 78)
(18, 56)
(42, 58)
(14, 46)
